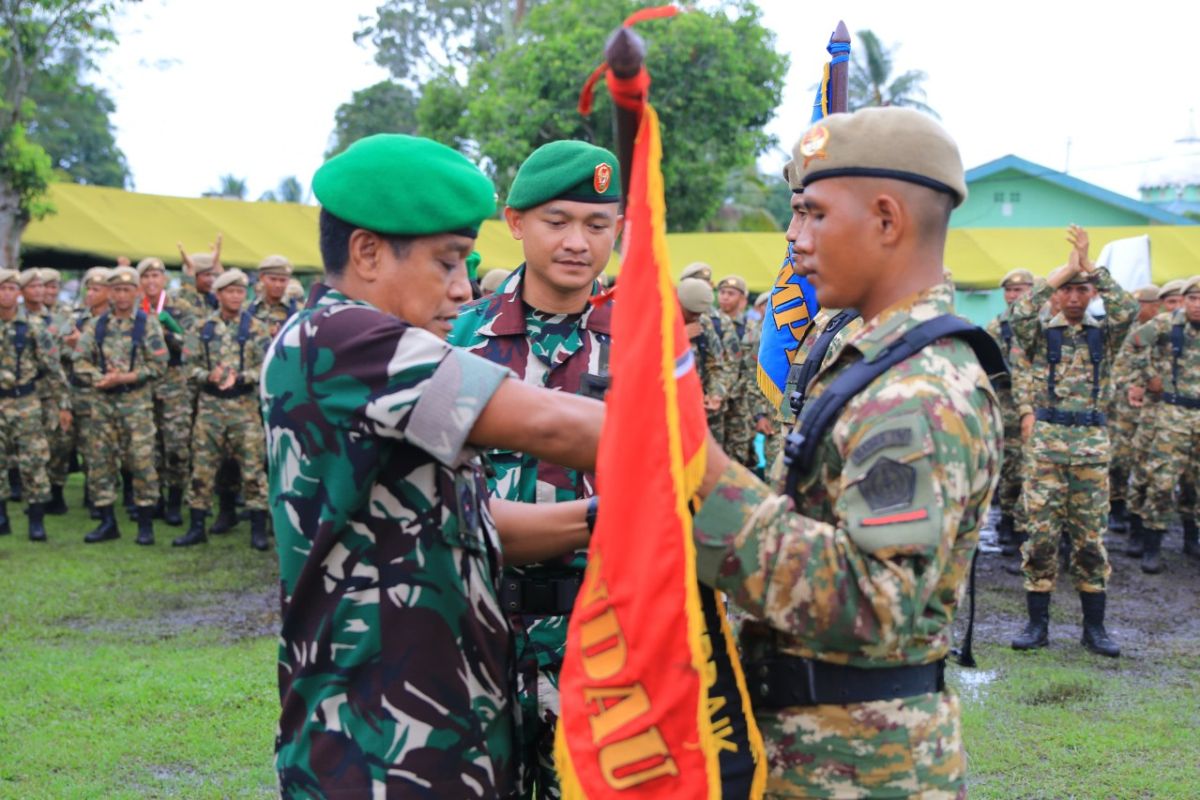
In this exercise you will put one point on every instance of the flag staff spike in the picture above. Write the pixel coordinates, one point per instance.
(625, 53)
(839, 71)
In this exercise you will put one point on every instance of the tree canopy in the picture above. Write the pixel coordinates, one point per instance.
(385, 107)
(872, 82)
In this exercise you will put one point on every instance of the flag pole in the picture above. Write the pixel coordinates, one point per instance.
(625, 53)
(839, 71)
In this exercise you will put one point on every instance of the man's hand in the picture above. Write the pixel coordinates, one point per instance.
(114, 377)
(764, 426)
(1059, 277)
(189, 268)
(1155, 385)
(712, 402)
(216, 253)
(217, 375)
(72, 338)
(229, 381)
(1137, 396)
(692, 329)
(64, 420)
(1026, 427)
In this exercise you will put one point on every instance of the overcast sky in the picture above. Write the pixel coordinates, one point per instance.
(250, 87)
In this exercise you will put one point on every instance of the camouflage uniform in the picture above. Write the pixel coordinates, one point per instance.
(1066, 486)
(727, 331)
(123, 431)
(555, 352)
(395, 659)
(228, 425)
(273, 315)
(746, 400)
(850, 583)
(22, 422)
(1123, 423)
(1008, 493)
(173, 400)
(713, 375)
(52, 395)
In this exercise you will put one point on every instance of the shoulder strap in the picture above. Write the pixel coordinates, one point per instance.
(243, 336)
(1054, 342)
(138, 334)
(1176, 352)
(816, 356)
(101, 332)
(716, 321)
(1007, 335)
(20, 339)
(741, 329)
(821, 413)
(206, 336)
(1095, 346)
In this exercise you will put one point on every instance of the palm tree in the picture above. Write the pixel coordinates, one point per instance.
(229, 186)
(871, 81)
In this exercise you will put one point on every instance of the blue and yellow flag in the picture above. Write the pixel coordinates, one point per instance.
(793, 301)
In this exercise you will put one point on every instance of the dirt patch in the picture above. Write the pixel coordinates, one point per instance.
(235, 616)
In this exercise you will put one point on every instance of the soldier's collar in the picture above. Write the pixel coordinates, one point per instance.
(507, 310)
(903, 315)
(1060, 321)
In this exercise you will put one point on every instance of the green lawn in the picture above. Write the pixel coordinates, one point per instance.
(150, 672)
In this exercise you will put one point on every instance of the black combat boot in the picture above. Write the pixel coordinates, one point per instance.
(258, 530)
(145, 525)
(1136, 531)
(1037, 631)
(1095, 638)
(37, 522)
(107, 529)
(127, 489)
(1018, 539)
(195, 532)
(226, 513)
(1191, 538)
(14, 484)
(1118, 516)
(173, 513)
(1152, 551)
(1004, 533)
(57, 505)
(93, 512)
(5, 525)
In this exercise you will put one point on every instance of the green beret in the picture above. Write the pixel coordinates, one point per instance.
(405, 186)
(473, 262)
(566, 170)
(889, 142)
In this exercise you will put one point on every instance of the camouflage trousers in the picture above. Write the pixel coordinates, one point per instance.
(1176, 451)
(173, 420)
(121, 436)
(1122, 428)
(1012, 469)
(23, 434)
(81, 422)
(1066, 500)
(228, 428)
(60, 442)
(1144, 462)
(908, 747)
(540, 644)
(716, 424)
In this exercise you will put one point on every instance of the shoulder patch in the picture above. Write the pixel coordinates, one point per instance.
(897, 437)
(889, 484)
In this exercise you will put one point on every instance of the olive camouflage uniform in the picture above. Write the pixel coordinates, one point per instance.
(1123, 423)
(228, 425)
(123, 432)
(556, 352)
(273, 315)
(58, 324)
(1066, 484)
(710, 359)
(173, 400)
(1008, 493)
(745, 401)
(395, 659)
(725, 330)
(24, 370)
(848, 582)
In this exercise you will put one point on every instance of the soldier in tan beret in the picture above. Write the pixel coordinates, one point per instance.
(93, 305)
(741, 367)
(698, 269)
(203, 269)
(492, 279)
(224, 357)
(271, 304)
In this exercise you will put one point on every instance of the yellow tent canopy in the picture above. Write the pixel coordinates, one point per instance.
(96, 224)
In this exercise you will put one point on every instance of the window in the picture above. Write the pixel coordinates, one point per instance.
(1014, 197)
(998, 197)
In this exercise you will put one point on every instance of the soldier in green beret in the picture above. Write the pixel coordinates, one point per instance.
(396, 657)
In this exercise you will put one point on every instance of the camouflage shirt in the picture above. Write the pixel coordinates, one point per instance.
(1074, 384)
(192, 306)
(551, 351)
(395, 673)
(273, 314)
(221, 347)
(92, 360)
(1151, 354)
(38, 359)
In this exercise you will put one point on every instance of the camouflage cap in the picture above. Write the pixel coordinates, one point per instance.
(96, 275)
(203, 262)
(122, 276)
(1171, 288)
(1147, 293)
(147, 264)
(10, 276)
(733, 282)
(50, 275)
(1192, 286)
(697, 269)
(1017, 277)
(695, 295)
(275, 265)
(492, 279)
(230, 277)
(890, 142)
(28, 276)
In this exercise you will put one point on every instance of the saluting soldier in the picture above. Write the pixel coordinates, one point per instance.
(121, 355)
(1068, 362)
(395, 660)
(564, 209)
(29, 358)
(853, 581)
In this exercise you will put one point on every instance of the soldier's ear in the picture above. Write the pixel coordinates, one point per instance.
(364, 248)
(516, 222)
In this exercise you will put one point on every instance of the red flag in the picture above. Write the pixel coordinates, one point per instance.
(635, 683)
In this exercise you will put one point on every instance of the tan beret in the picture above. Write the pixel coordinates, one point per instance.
(695, 295)
(733, 282)
(889, 142)
(1017, 277)
(203, 262)
(1081, 277)
(1192, 285)
(275, 265)
(492, 279)
(1171, 288)
(50, 275)
(761, 300)
(29, 276)
(122, 276)
(230, 277)
(96, 275)
(1147, 293)
(147, 264)
(295, 289)
(697, 269)
(10, 276)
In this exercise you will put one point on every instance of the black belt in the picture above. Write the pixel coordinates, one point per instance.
(1181, 400)
(233, 391)
(24, 390)
(1056, 416)
(124, 388)
(77, 382)
(546, 597)
(781, 681)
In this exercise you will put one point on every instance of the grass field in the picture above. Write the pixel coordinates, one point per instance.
(150, 672)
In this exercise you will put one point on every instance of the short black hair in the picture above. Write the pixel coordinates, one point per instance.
(334, 241)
